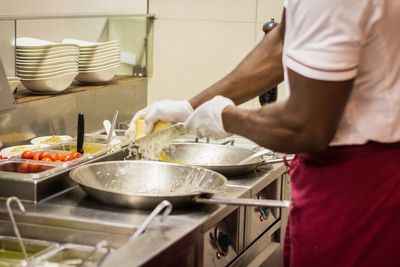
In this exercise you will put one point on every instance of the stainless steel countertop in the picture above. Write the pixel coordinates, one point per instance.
(186, 225)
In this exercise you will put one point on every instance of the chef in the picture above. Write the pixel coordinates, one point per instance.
(340, 60)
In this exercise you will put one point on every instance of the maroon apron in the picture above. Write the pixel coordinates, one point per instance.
(346, 208)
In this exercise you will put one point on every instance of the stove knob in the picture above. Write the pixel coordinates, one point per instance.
(264, 213)
(224, 241)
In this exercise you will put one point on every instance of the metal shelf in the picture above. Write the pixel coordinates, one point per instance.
(73, 16)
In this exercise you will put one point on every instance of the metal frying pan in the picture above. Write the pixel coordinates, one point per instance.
(219, 158)
(144, 184)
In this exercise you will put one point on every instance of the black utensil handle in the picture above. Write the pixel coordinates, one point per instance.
(270, 95)
(81, 133)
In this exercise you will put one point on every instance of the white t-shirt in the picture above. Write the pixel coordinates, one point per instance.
(337, 40)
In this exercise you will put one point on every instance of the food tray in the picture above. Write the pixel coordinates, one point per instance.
(34, 187)
(91, 149)
(11, 254)
(75, 255)
(40, 253)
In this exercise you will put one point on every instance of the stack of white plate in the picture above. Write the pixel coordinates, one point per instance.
(46, 67)
(98, 62)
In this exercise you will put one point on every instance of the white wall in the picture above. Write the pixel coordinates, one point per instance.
(197, 42)
(6, 50)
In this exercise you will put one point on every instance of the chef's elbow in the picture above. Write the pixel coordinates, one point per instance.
(319, 139)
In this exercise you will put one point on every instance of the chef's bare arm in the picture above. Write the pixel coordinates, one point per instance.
(260, 69)
(305, 122)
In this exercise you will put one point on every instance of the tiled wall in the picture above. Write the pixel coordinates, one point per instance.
(197, 42)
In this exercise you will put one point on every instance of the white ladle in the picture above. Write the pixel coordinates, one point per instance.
(111, 140)
(16, 231)
(107, 127)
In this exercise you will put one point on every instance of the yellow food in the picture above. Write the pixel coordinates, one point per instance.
(141, 127)
(90, 148)
(19, 149)
(52, 140)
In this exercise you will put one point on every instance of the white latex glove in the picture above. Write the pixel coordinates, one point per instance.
(164, 110)
(206, 120)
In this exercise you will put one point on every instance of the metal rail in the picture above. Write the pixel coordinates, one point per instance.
(73, 16)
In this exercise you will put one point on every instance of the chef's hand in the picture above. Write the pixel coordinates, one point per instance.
(206, 120)
(164, 110)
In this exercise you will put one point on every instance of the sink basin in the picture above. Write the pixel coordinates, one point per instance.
(43, 253)
(61, 230)
(11, 253)
(72, 254)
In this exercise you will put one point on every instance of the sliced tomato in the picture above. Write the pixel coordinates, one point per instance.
(34, 168)
(35, 156)
(75, 155)
(67, 158)
(53, 157)
(27, 154)
(44, 154)
(23, 167)
(60, 156)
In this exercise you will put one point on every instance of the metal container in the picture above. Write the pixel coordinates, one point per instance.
(48, 178)
(101, 138)
(91, 149)
(74, 255)
(32, 186)
(118, 132)
(10, 250)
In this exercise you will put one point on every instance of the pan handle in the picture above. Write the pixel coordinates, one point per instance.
(164, 206)
(245, 202)
(119, 256)
(289, 157)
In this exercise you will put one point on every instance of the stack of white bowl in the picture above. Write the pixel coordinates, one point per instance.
(46, 67)
(13, 82)
(98, 62)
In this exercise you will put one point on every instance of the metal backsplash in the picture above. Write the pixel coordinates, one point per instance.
(58, 115)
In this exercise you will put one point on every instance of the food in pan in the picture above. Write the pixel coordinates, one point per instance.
(38, 161)
(17, 150)
(50, 140)
(88, 148)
